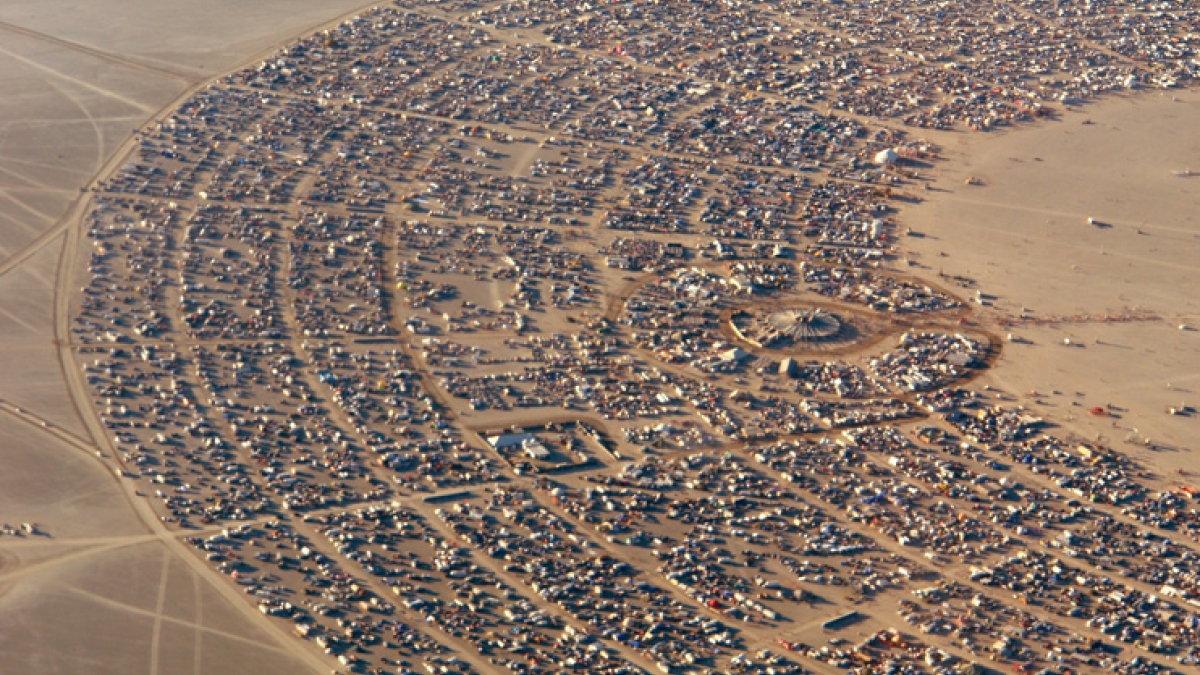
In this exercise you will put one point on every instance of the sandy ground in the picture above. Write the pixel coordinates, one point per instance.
(76, 85)
(132, 608)
(1023, 236)
(175, 36)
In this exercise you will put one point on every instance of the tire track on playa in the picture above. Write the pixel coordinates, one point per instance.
(24, 161)
(15, 318)
(48, 427)
(32, 184)
(1111, 250)
(1013, 206)
(39, 242)
(91, 119)
(24, 205)
(27, 570)
(19, 124)
(134, 609)
(76, 497)
(137, 105)
(16, 222)
(92, 51)
(42, 541)
(156, 634)
(199, 625)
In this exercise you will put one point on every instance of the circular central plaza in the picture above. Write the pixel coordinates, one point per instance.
(802, 328)
(802, 325)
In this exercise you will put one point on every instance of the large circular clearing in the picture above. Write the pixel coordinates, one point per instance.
(804, 325)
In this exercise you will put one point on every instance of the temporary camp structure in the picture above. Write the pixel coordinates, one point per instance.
(886, 157)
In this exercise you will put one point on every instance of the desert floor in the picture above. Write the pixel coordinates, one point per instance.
(1022, 234)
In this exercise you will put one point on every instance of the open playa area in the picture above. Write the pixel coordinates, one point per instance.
(1054, 276)
(548, 336)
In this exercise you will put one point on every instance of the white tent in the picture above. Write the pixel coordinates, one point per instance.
(886, 157)
(735, 354)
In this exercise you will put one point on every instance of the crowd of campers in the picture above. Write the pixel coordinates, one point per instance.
(927, 360)
(880, 292)
(316, 282)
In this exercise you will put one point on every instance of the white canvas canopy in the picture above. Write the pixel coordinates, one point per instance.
(886, 157)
